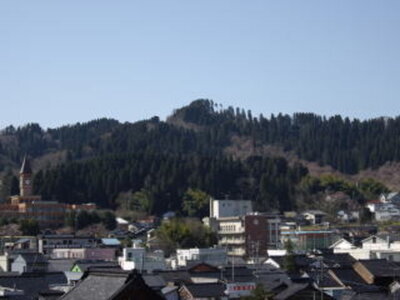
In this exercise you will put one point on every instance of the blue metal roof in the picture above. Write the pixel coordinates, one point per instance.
(110, 242)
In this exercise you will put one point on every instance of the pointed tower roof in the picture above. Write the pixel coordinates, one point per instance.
(26, 166)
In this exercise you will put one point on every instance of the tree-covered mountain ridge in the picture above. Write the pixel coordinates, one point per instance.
(198, 145)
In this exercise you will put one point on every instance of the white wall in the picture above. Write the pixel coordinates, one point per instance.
(230, 208)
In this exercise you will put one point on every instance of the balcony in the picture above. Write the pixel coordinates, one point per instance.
(238, 231)
(232, 241)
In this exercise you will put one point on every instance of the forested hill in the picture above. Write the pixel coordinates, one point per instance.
(195, 147)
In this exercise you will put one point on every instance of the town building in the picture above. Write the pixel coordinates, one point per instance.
(107, 254)
(29, 262)
(250, 235)
(138, 258)
(315, 216)
(47, 243)
(112, 284)
(229, 208)
(308, 240)
(188, 257)
(379, 246)
(29, 206)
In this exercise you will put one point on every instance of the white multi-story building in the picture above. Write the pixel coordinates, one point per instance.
(138, 258)
(212, 256)
(229, 208)
(249, 235)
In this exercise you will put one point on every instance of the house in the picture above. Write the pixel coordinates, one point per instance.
(377, 271)
(301, 291)
(122, 223)
(327, 283)
(113, 285)
(309, 240)
(387, 212)
(84, 253)
(301, 262)
(203, 291)
(348, 277)
(314, 216)
(393, 197)
(336, 260)
(48, 242)
(342, 244)
(29, 262)
(385, 246)
(348, 216)
(81, 266)
(139, 258)
(32, 283)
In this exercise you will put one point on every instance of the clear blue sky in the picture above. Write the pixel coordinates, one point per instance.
(68, 61)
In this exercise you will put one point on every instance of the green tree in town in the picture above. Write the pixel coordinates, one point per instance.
(184, 233)
(289, 263)
(195, 203)
(29, 227)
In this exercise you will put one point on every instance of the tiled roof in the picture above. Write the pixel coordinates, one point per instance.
(324, 280)
(60, 265)
(291, 290)
(31, 258)
(175, 276)
(32, 283)
(96, 287)
(338, 259)
(349, 277)
(380, 267)
(301, 261)
(111, 284)
(84, 265)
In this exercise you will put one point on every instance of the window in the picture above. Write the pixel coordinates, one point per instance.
(374, 240)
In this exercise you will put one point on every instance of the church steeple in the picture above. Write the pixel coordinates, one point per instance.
(26, 166)
(25, 178)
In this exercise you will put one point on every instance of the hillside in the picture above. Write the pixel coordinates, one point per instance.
(225, 152)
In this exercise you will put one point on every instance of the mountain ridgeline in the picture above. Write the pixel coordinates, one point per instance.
(99, 160)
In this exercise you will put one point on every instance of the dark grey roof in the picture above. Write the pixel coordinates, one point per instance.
(205, 290)
(84, 265)
(291, 290)
(111, 284)
(300, 260)
(349, 277)
(154, 281)
(26, 166)
(324, 280)
(97, 286)
(33, 258)
(381, 267)
(338, 259)
(352, 295)
(271, 279)
(60, 265)
(32, 283)
(175, 276)
(392, 237)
